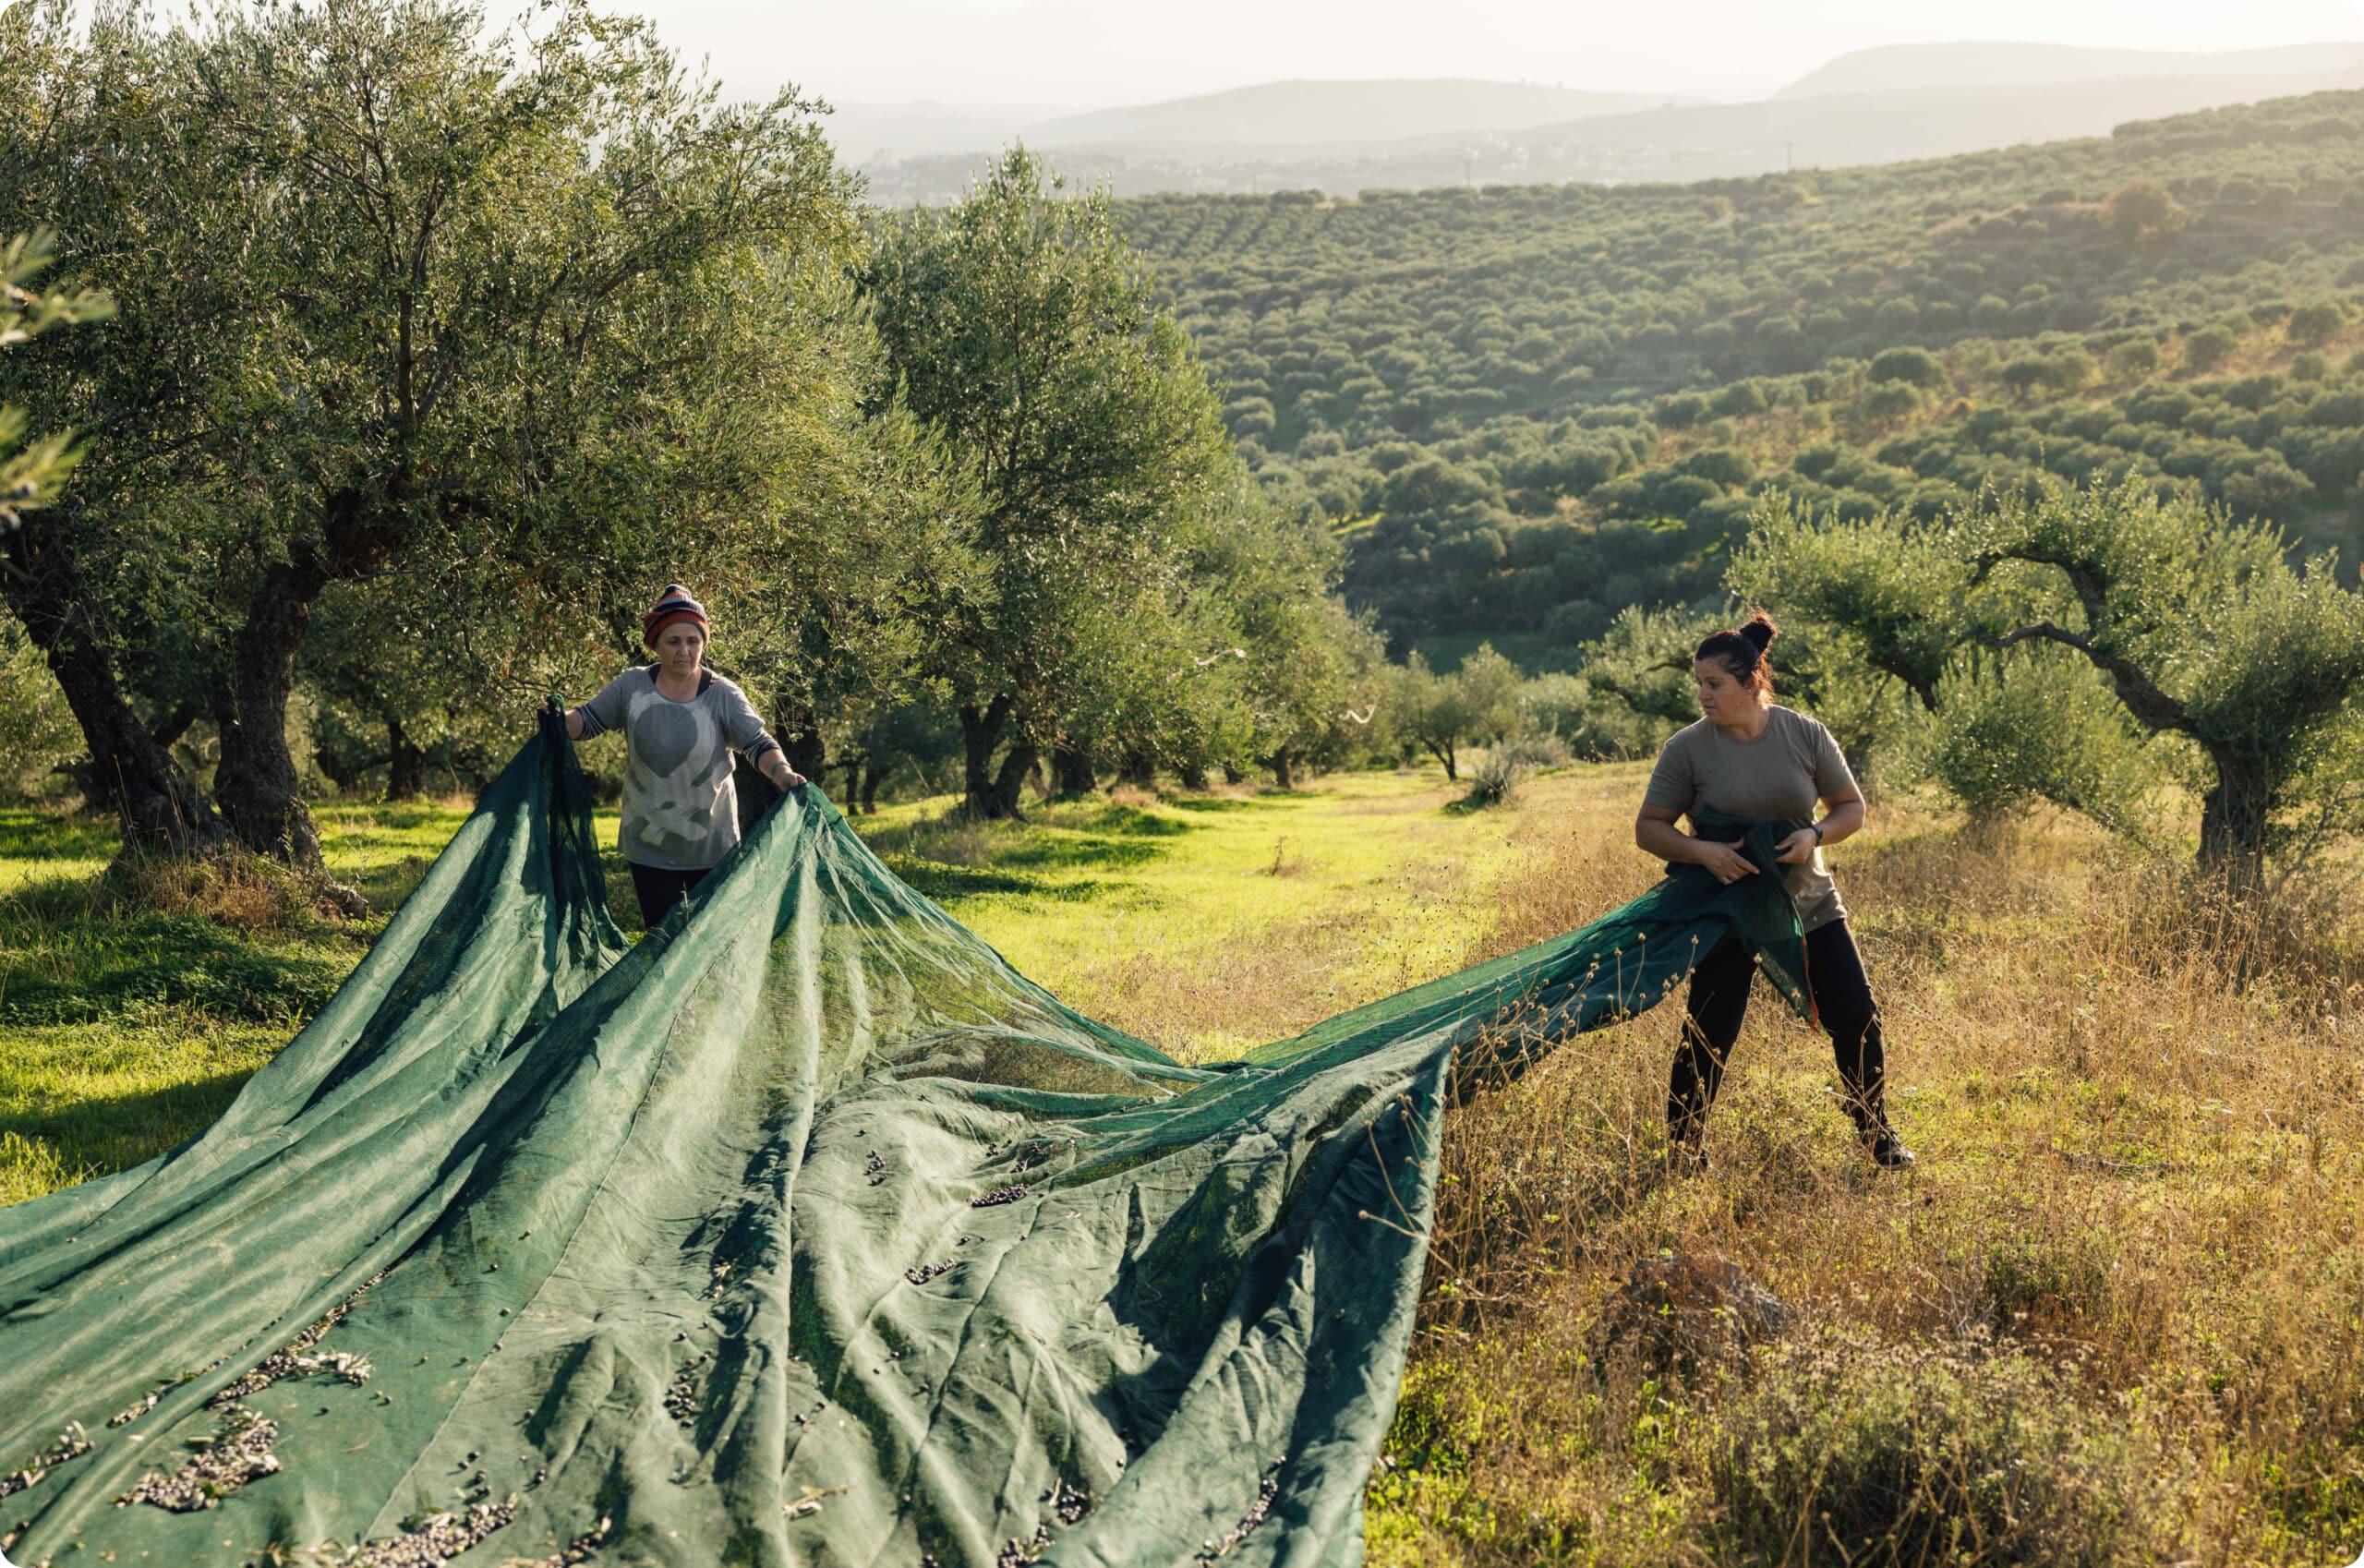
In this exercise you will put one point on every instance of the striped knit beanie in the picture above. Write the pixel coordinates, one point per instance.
(675, 604)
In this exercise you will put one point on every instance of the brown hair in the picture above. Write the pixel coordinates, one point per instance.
(1743, 651)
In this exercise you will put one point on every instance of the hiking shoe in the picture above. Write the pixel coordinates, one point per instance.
(1686, 1159)
(1889, 1153)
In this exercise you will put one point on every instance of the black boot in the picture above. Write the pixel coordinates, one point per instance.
(1686, 1156)
(1686, 1140)
(1888, 1151)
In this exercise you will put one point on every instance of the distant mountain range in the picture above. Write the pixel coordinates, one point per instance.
(1274, 118)
(1899, 66)
(1328, 115)
(1868, 106)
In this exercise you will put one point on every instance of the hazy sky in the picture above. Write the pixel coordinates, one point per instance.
(1092, 53)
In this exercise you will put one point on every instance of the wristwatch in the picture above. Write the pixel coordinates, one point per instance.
(1817, 833)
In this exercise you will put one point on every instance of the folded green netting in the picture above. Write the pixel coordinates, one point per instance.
(804, 1231)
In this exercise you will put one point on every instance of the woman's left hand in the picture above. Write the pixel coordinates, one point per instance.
(1798, 848)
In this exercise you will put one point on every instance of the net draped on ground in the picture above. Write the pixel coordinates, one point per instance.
(803, 1231)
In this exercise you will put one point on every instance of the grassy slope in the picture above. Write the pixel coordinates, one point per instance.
(2116, 1316)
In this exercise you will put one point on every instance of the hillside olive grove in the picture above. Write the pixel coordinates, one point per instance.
(1526, 408)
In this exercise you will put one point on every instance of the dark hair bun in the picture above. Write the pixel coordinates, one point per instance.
(1760, 631)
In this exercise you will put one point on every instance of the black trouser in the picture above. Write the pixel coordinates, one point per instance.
(1842, 999)
(659, 890)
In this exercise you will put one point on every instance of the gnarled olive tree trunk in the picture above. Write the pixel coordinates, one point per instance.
(159, 806)
(991, 792)
(256, 777)
(1073, 771)
(406, 763)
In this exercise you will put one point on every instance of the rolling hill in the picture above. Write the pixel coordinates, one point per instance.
(1528, 408)
(1907, 66)
(1870, 106)
(1329, 115)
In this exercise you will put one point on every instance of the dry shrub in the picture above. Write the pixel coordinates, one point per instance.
(2045, 1283)
(247, 893)
(1847, 1446)
(2140, 1108)
(2295, 935)
(1687, 1311)
(1284, 863)
(1494, 779)
(953, 839)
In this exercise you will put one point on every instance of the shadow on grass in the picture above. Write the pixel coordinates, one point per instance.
(366, 818)
(1209, 802)
(35, 835)
(1131, 821)
(173, 961)
(941, 881)
(103, 1133)
(952, 854)
(387, 886)
(1079, 849)
(79, 954)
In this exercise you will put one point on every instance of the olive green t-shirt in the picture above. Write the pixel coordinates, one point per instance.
(1793, 763)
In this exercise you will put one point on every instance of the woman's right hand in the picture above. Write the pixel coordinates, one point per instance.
(1724, 862)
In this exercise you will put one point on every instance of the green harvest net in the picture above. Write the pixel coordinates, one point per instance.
(803, 1231)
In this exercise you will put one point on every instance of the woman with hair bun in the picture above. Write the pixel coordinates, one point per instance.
(1747, 756)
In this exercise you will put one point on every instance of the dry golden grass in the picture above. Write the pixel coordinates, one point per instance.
(2115, 1315)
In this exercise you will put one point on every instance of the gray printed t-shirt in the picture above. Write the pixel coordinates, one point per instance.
(680, 809)
(1793, 763)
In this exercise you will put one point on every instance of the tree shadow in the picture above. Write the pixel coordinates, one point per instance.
(186, 964)
(1079, 850)
(1134, 823)
(939, 881)
(99, 956)
(100, 1133)
(29, 834)
(387, 886)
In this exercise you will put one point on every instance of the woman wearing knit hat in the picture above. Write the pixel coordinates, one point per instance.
(682, 722)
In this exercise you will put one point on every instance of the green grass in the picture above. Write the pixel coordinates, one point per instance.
(130, 1017)
(1313, 900)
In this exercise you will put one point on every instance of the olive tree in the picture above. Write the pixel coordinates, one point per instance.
(30, 471)
(2202, 627)
(1902, 601)
(2199, 625)
(1473, 705)
(1026, 330)
(397, 295)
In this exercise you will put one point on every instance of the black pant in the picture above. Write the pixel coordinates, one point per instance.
(659, 890)
(1718, 1000)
